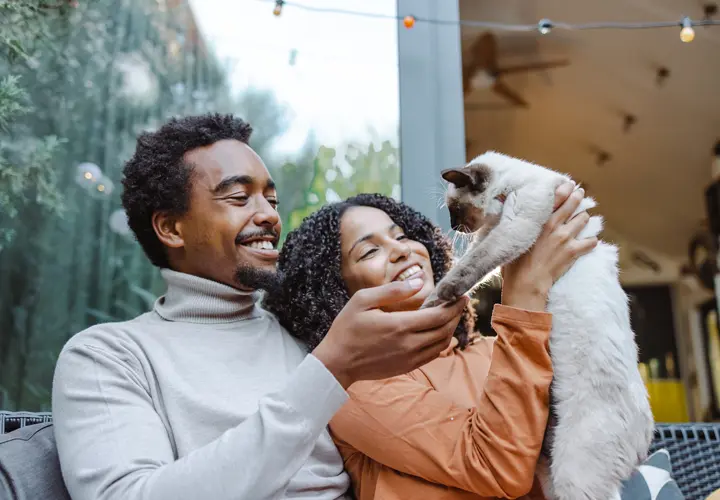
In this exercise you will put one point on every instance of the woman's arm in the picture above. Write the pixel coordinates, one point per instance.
(490, 450)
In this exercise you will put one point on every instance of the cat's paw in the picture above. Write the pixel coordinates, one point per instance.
(449, 292)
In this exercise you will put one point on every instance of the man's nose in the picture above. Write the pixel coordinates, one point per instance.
(266, 215)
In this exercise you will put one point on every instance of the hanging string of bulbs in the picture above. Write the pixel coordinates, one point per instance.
(544, 26)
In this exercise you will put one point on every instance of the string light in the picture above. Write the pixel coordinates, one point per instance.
(687, 33)
(278, 7)
(544, 26)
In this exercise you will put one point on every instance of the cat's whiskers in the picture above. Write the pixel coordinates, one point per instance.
(459, 240)
(437, 192)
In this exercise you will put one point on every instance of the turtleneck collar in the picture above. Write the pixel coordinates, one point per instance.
(192, 299)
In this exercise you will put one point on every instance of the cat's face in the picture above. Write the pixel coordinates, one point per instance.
(466, 195)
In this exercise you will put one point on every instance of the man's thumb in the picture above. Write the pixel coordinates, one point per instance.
(389, 293)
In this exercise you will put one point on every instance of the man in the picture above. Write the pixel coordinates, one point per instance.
(206, 396)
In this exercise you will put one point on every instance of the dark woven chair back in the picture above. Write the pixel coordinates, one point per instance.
(695, 456)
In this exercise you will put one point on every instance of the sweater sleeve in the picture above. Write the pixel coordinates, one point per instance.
(490, 450)
(112, 443)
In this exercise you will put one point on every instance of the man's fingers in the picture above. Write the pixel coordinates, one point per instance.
(387, 294)
(423, 341)
(435, 341)
(431, 318)
(431, 351)
(562, 193)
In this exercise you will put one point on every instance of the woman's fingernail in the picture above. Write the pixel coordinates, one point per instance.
(415, 283)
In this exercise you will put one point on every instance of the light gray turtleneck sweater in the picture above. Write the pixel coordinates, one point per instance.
(206, 397)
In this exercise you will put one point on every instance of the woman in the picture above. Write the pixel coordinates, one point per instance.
(468, 425)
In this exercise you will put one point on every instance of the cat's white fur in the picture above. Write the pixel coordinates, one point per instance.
(603, 425)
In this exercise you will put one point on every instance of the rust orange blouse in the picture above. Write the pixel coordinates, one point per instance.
(468, 425)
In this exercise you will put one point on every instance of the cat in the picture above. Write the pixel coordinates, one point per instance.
(601, 425)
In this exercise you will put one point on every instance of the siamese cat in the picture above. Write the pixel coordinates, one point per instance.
(601, 426)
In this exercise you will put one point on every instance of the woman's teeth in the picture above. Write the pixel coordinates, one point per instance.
(408, 272)
(260, 245)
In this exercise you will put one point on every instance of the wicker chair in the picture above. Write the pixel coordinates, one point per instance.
(694, 450)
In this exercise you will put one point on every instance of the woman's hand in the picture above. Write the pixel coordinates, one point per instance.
(527, 281)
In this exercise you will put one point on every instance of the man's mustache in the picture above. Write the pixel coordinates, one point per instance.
(262, 233)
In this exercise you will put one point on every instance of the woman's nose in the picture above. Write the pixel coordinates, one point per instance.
(400, 251)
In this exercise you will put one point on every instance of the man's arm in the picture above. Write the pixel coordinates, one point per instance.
(490, 450)
(113, 445)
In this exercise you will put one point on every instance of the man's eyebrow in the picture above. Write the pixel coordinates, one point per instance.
(367, 237)
(233, 180)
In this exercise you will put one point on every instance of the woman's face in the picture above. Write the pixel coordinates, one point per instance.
(376, 251)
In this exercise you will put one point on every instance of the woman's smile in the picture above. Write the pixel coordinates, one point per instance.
(376, 251)
(414, 271)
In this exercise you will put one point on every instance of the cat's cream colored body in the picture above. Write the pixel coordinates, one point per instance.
(603, 424)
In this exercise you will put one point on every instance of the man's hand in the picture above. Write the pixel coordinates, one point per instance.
(366, 343)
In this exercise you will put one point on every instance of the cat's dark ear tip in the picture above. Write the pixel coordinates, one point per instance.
(444, 173)
(456, 176)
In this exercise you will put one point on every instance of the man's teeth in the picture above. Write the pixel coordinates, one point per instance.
(260, 245)
(408, 272)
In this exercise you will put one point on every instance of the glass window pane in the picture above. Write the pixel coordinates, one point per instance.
(319, 87)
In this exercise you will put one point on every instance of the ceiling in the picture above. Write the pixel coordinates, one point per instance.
(651, 191)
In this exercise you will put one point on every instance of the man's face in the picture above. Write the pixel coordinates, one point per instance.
(232, 228)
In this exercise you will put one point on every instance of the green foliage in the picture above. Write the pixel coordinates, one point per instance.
(66, 261)
(13, 101)
(27, 173)
(360, 170)
(27, 177)
(20, 26)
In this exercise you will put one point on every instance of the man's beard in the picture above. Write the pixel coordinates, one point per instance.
(258, 279)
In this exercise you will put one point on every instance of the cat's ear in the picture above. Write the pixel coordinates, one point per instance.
(458, 176)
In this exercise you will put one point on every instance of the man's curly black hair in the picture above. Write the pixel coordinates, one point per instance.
(313, 291)
(156, 179)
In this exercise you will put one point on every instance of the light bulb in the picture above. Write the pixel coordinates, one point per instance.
(278, 7)
(544, 26)
(687, 33)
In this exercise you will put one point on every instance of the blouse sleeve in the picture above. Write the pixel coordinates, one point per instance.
(491, 449)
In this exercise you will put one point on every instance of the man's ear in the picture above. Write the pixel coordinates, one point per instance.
(457, 176)
(168, 229)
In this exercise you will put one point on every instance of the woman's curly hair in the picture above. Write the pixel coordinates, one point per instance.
(313, 291)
